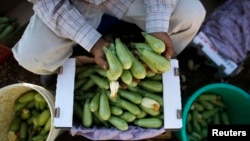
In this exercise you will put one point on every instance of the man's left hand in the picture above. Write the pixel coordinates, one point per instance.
(169, 52)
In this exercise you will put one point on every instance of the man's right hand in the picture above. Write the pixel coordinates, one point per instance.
(98, 53)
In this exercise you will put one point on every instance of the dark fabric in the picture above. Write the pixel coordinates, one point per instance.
(107, 25)
(110, 25)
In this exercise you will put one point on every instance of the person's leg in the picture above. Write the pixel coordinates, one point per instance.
(39, 50)
(184, 22)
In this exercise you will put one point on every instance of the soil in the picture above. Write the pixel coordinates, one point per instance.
(192, 78)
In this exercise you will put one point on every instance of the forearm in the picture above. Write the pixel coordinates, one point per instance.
(158, 13)
(66, 22)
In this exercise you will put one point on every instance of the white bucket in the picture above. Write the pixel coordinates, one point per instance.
(9, 94)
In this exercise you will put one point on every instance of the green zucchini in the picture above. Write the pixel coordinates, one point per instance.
(126, 77)
(131, 96)
(23, 132)
(118, 122)
(87, 118)
(122, 54)
(7, 31)
(104, 107)
(115, 110)
(100, 81)
(150, 111)
(156, 44)
(151, 122)
(131, 107)
(129, 117)
(15, 124)
(115, 68)
(77, 110)
(152, 85)
(94, 103)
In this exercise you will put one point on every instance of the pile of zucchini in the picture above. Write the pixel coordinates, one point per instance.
(32, 119)
(136, 59)
(100, 98)
(207, 109)
(140, 105)
(7, 26)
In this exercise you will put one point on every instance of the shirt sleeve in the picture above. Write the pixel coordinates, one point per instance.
(66, 21)
(158, 14)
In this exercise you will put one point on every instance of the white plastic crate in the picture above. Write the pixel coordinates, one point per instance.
(65, 94)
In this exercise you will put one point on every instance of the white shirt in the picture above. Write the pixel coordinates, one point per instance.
(64, 17)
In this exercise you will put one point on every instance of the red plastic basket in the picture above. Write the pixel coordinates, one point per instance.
(5, 53)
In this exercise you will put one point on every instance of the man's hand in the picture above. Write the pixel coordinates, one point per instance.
(98, 53)
(169, 52)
